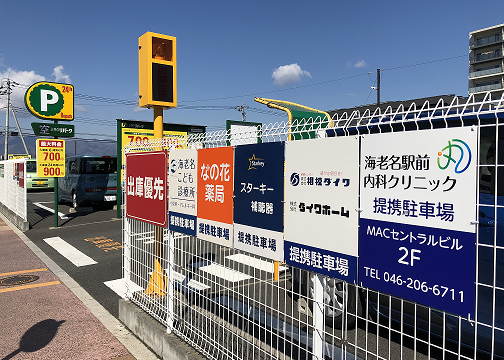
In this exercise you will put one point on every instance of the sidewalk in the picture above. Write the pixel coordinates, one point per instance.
(42, 315)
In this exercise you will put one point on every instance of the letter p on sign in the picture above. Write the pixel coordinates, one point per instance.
(47, 97)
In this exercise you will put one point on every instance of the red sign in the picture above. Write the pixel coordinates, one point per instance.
(21, 175)
(146, 187)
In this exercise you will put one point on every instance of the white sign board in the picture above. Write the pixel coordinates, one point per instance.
(417, 226)
(183, 184)
(425, 178)
(321, 203)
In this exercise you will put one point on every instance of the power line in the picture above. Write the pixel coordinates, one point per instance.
(424, 63)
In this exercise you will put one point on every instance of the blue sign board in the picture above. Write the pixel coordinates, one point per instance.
(258, 199)
(435, 267)
(182, 223)
(322, 261)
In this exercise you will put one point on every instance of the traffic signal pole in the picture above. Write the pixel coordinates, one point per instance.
(157, 284)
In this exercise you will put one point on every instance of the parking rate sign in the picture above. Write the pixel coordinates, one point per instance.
(183, 177)
(146, 183)
(258, 199)
(50, 158)
(321, 203)
(215, 195)
(417, 230)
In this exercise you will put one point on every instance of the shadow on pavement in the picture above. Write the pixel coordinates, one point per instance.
(37, 337)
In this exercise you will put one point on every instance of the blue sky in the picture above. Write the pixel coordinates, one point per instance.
(228, 51)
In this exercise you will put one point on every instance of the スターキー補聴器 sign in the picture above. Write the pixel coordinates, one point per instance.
(258, 201)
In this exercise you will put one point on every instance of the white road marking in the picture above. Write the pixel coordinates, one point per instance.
(256, 263)
(224, 273)
(61, 215)
(119, 286)
(76, 257)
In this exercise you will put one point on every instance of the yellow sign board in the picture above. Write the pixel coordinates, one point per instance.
(50, 158)
(18, 156)
(134, 135)
(52, 101)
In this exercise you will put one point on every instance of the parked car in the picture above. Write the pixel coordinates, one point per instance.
(33, 181)
(88, 180)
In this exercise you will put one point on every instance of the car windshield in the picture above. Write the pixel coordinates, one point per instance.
(99, 165)
(31, 166)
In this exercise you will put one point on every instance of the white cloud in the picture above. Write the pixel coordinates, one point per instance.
(59, 76)
(288, 74)
(358, 64)
(138, 109)
(24, 79)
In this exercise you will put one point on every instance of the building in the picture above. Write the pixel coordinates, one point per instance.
(486, 62)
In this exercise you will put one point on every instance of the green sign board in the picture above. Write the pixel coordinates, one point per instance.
(59, 130)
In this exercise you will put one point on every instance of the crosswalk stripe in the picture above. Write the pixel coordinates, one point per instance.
(256, 263)
(60, 214)
(75, 256)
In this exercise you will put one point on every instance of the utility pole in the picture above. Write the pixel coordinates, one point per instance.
(6, 90)
(378, 87)
(242, 110)
(20, 132)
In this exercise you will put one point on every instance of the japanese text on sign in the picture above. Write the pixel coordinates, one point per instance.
(146, 182)
(50, 157)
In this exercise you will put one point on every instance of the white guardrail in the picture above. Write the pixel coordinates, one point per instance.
(13, 187)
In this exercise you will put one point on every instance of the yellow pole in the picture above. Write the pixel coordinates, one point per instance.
(158, 122)
(276, 275)
(157, 283)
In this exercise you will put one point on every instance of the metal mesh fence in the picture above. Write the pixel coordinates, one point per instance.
(227, 304)
(12, 194)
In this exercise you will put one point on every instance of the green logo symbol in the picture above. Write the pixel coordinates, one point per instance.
(46, 100)
(463, 160)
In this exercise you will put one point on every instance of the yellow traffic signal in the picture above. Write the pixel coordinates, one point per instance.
(157, 60)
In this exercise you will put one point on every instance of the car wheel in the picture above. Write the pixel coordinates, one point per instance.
(75, 200)
(335, 302)
(336, 297)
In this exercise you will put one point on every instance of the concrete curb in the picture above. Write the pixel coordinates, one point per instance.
(14, 218)
(153, 334)
(134, 346)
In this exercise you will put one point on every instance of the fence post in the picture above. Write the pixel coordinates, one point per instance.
(127, 255)
(170, 258)
(318, 316)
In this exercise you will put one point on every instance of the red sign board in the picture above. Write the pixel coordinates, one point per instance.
(21, 174)
(146, 187)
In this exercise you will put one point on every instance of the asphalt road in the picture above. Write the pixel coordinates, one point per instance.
(81, 230)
